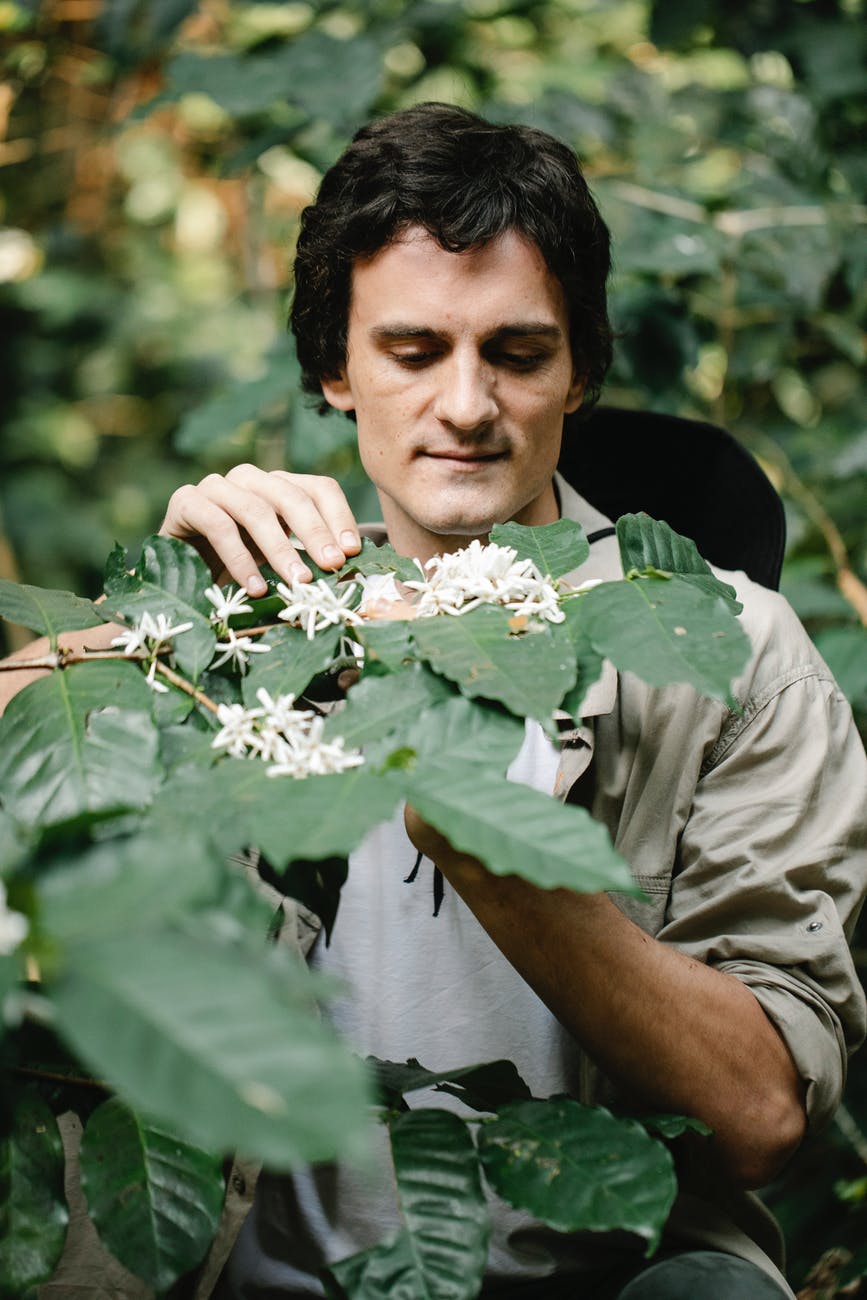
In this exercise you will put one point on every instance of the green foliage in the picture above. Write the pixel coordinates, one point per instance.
(118, 818)
(33, 1212)
(154, 1200)
(145, 263)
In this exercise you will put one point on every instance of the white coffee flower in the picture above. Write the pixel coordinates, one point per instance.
(237, 649)
(305, 753)
(238, 734)
(13, 926)
(315, 606)
(152, 636)
(279, 713)
(460, 581)
(227, 603)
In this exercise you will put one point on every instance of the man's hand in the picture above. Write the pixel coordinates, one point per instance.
(244, 519)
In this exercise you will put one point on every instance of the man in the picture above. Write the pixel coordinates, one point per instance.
(450, 296)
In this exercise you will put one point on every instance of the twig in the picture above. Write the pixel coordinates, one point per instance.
(187, 687)
(54, 1076)
(63, 658)
(849, 584)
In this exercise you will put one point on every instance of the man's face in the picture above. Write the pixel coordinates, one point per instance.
(459, 371)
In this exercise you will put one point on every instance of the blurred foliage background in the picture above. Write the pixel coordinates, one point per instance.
(155, 156)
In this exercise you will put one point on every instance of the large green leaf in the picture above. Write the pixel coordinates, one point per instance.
(386, 1272)
(555, 549)
(516, 830)
(33, 1213)
(666, 630)
(439, 1188)
(462, 730)
(379, 707)
(48, 612)
(154, 1200)
(647, 543)
(293, 660)
(529, 673)
(80, 740)
(588, 660)
(130, 881)
(215, 1042)
(579, 1168)
(387, 643)
(170, 578)
(319, 817)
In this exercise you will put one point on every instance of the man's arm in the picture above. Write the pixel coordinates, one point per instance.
(671, 1032)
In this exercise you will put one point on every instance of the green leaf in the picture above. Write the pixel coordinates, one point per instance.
(439, 1189)
(673, 1126)
(387, 643)
(588, 660)
(483, 1087)
(529, 673)
(516, 830)
(381, 707)
(462, 730)
(386, 1272)
(215, 1042)
(170, 578)
(33, 1214)
(48, 612)
(555, 549)
(304, 71)
(577, 1168)
(844, 649)
(293, 660)
(216, 420)
(80, 740)
(647, 543)
(123, 883)
(666, 631)
(382, 558)
(154, 1200)
(318, 817)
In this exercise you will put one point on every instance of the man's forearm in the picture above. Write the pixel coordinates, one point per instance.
(671, 1033)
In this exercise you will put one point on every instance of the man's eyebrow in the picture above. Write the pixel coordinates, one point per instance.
(511, 329)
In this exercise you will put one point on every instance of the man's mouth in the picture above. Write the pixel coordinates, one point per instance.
(462, 457)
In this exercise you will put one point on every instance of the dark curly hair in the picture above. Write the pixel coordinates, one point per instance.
(465, 181)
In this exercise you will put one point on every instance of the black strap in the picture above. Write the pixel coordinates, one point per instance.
(600, 534)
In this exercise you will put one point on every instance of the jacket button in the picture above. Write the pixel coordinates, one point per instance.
(814, 926)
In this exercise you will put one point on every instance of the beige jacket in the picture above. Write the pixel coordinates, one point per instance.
(746, 831)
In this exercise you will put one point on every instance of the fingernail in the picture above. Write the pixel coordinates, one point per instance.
(299, 573)
(255, 585)
(332, 555)
(349, 541)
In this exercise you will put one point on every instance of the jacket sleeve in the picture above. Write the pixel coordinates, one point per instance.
(773, 866)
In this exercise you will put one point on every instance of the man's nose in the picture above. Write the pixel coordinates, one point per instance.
(466, 398)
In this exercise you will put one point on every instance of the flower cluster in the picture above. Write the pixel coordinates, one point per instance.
(232, 648)
(151, 637)
(290, 740)
(315, 606)
(477, 575)
(13, 926)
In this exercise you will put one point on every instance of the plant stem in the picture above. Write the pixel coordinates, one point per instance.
(54, 1076)
(187, 687)
(849, 584)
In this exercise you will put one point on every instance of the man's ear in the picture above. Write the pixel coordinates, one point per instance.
(575, 396)
(338, 393)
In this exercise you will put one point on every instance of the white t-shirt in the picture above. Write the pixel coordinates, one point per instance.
(415, 985)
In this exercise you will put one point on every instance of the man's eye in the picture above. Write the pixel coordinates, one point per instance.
(520, 360)
(414, 358)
